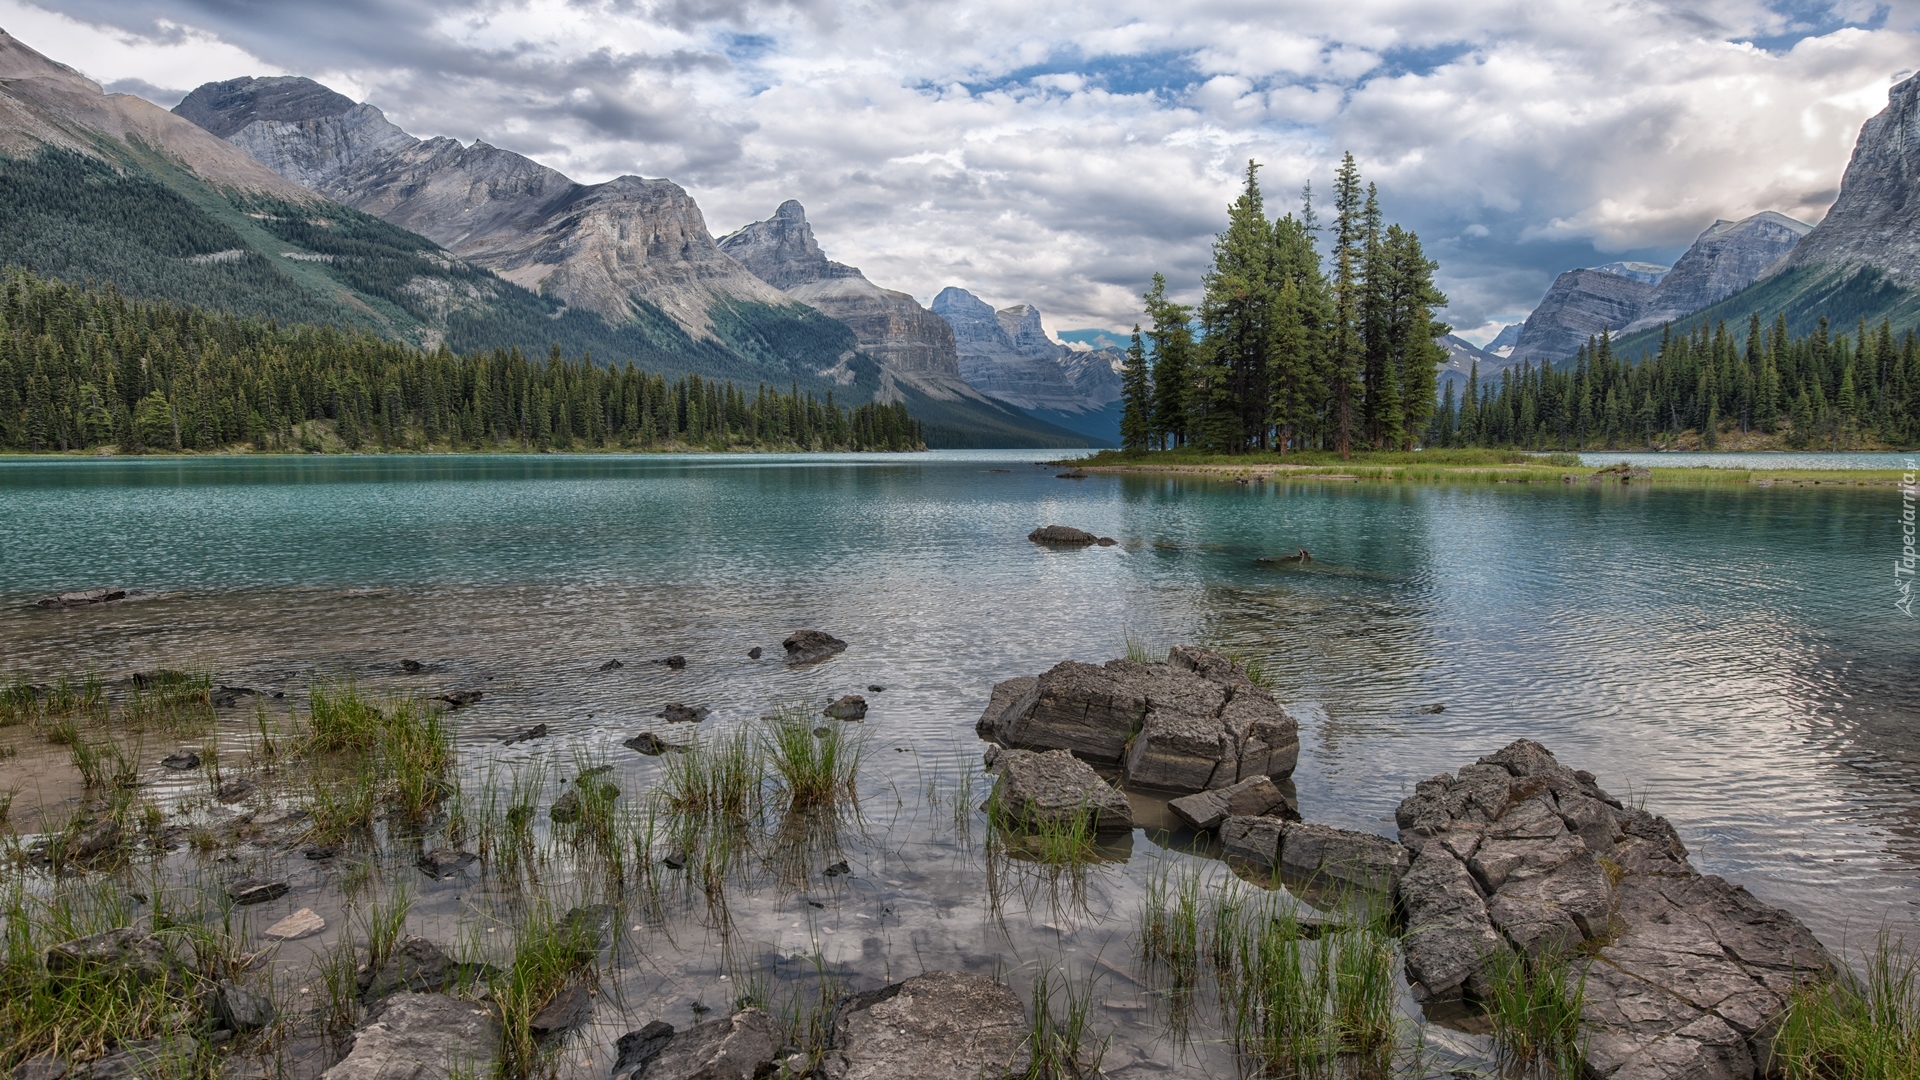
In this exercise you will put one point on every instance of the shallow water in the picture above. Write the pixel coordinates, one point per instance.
(1755, 459)
(1732, 657)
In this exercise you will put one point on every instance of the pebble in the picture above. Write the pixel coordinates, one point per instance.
(302, 923)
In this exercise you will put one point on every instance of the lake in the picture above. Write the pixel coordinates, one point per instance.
(1730, 657)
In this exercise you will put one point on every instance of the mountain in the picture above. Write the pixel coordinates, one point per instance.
(634, 253)
(111, 188)
(1462, 356)
(1578, 305)
(1504, 341)
(1643, 272)
(1008, 355)
(1726, 258)
(1862, 262)
(1629, 298)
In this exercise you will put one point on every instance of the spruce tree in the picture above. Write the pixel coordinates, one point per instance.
(1237, 316)
(1172, 336)
(1346, 357)
(1136, 392)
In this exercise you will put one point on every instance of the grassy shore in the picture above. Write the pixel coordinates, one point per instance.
(1465, 466)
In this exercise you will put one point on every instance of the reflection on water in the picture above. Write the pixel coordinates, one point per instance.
(1731, 656)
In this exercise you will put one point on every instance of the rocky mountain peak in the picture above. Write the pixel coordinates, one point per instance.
(1875, 222)
(781, 250)
(1727, 257)
(17, 61)
(1009, 355)
(1644, 272)
(1579, 305)
(226, 107)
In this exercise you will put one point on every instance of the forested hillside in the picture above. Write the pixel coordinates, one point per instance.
(86, 367)
(64, 215)
(1811, 391)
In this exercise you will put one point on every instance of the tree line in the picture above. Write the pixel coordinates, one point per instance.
(85, 367)
(1287, 350)
(1817, 391)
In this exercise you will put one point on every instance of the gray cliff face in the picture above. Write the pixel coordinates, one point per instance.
(909, 341)
(1875, 222)
(1007, 354)
(1462, 358)
(601, 247)
(1728, 257)
(1579, 305)
(1644, 272)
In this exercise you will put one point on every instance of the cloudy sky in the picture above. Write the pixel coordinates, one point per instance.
(1061, 152)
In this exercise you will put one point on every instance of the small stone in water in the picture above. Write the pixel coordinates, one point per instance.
(412, 667)
(322, 851)
(1434, 709)
(612, 665)
(875, 688)
(256, 892)
(185, 759)
(839, 868)
(849, 707)
(235, 790)
(302, 923)
(681, 713)
(675, 860)
(676, 661)
(753, 653)
(822, 731)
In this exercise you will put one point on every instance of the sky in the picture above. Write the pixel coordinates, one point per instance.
(1060, 153)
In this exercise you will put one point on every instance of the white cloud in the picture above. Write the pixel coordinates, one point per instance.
(1061, 153)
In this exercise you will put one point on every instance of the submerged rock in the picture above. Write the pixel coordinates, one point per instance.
(537, 731)
(652, 745)
(754, 653)
(636, 1048)
(1689, 975)
(82, 598)
(445, 862)
(93, 839)
(412, 667)
(1255, 796)
(849, 707)
(743, 1046)
(943, 1025)
(172, 1055)
(239, 1008)
(182, 760)
(1035, 789)
(1340, 859)
(254, 891)
(611, 665)
(145, 955)
(681, 713)
(1191, 723)
(416, 966)
(460, 699)
(228, 696)
(811, 647)
(570, 1008)
(676, 661)
(234, 791)
(421, 1037)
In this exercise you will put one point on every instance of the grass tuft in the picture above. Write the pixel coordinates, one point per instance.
(1858, 1027)
(1534, 1006)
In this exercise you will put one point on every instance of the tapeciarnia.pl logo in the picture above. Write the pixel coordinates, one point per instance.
(1903, 567)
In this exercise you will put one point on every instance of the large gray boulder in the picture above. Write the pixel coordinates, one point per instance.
(1033, 790)
(738, 1047)
(1689, 975)
(421, 1037)
(943, 1025)
(811, 646)
(1191, 723)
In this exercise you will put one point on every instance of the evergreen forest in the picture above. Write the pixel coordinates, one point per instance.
(1816, 391)
(87, 368)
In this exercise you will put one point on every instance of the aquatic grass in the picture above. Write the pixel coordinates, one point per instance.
(548, 953)
(814, 771)
(503, 821)
(19, 702)
(1140, 652)
(395, 755)
(1860, 1026)
(339, 718)
(384, 924)
(78, 1011)
(1060, 1042)
(1533, 1005)
(722, 778)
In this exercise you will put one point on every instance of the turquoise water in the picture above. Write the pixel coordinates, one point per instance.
(1732, 657)
(1791, 459)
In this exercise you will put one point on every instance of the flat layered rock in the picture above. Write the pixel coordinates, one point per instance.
(943, 1025)
(1192, 723)
(300, 924)
(421, 1037)
(417, 965)
(1035, 789)
(743, 1046)
(1253, 797)
(82, 598)
(1689, 974)
(1331, 858)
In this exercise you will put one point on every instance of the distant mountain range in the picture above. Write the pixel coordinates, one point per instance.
(1009, 354)
(281, 198)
